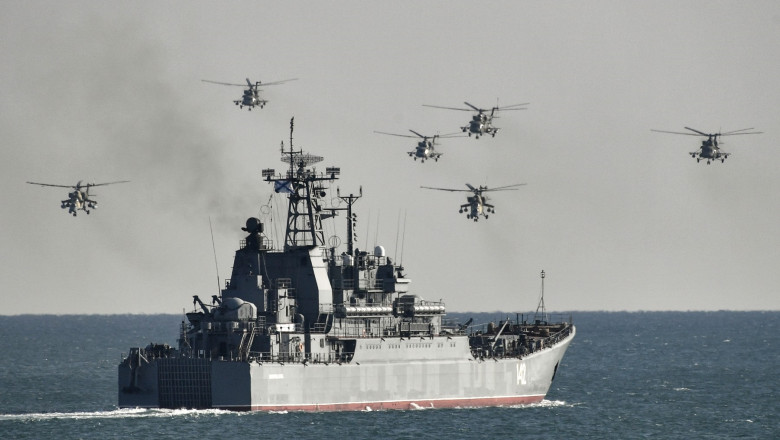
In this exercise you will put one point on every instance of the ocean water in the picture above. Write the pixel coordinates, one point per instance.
(626, 375)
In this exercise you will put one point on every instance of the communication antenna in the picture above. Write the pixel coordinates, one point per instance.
(368, 229)
(397, 232)
(214, 248)
(376, 233)
(403, 240)
(541, 317)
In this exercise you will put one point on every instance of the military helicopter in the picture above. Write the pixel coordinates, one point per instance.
(79, 198)
(477, 204)
(251, 96)
(425, 148)
(709, 147)
(481, 123)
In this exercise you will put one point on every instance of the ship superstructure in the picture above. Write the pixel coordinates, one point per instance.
(306, 327)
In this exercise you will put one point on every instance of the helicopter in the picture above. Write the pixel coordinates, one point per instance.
(251, 96)
(79, 198)
(477, 204)
(425, 148)
(709, 147)
(481, 123)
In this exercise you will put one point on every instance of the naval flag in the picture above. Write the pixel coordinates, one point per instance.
(283, 186)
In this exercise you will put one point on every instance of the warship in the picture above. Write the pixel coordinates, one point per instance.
(303, 327)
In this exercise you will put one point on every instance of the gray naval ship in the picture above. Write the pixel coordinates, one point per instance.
(306, 328)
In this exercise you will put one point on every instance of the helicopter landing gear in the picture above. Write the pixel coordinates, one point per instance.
(708, 162)
(697, 160)
(723, 160)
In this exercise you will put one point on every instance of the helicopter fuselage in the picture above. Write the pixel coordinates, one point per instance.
(77, 200)
(425, 150)
(250, 99)
(709, 150)
(475, 205)
(479, 125)
(422, 151)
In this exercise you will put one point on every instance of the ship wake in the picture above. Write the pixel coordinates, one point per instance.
(131, 413)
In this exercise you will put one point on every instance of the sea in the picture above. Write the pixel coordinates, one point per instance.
(667, 375)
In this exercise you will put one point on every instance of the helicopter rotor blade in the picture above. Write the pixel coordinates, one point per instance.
(49, 184)
(513, 107)
(697, 131)
(446, 189)
(475, 108)
(418, 134)
(277, 82)
(451, 135)
(223, 83)
(396, 134)
(448, 108)
(676, 132)
(742, 131)
(107, 183)
(505, 188)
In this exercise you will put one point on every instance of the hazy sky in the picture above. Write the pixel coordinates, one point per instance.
(620, 218)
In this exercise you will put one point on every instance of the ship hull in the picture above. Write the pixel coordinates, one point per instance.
(357, 385)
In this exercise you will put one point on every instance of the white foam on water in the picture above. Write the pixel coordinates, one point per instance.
(125, 413)
(544, 404)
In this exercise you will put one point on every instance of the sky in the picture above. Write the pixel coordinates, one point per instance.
(619, 217)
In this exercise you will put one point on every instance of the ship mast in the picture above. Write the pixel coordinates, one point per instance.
(304, 223)
(541, 313)
(351, 217)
